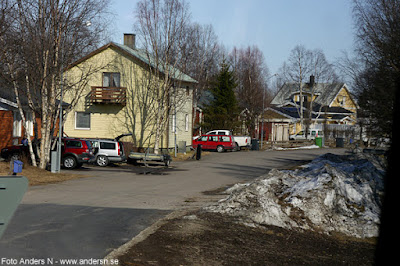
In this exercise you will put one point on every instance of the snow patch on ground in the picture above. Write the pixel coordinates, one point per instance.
(297, 148)
(331, 194)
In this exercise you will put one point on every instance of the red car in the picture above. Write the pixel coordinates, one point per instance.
(74, 152)
(215, 142)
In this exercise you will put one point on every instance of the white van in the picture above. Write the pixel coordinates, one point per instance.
(312, 134)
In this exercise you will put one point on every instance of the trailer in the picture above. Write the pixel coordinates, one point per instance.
(150, 157)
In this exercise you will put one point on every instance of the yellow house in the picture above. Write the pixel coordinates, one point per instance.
(118, 96)
(323, 103)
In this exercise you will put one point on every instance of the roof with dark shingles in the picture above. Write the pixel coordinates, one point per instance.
(326, 92)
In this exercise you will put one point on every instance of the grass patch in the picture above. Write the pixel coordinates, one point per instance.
(37, 176)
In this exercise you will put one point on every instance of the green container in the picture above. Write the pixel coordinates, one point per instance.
(318, 141)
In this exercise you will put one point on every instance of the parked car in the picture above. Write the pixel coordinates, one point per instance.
(241, 141)
(219, 143)
(106, 151)
(15, 152)
(312, 133)
(76, 152)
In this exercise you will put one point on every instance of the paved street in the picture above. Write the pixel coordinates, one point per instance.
(89, 217)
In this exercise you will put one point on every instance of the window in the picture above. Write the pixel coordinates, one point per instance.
(74, 144)
(17, 124)
(82, 120)
(107, 145)
(203, 138)
(214, 138)
(29, 120)
(225, 139)
(221, 133)
(173, 123)
(342, 100)
(111, 79)
(186, 122)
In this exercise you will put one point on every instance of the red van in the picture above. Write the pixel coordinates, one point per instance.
(215, 142)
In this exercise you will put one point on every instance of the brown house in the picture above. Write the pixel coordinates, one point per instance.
(12, 130)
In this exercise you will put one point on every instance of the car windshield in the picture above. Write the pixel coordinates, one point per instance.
(203, 138)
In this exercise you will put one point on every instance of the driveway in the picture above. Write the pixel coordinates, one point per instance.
(89, 217)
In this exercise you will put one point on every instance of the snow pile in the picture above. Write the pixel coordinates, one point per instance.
(332, 193)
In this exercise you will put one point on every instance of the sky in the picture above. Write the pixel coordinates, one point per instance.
(275, 26)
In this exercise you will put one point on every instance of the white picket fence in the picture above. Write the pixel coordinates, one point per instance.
(342, 131)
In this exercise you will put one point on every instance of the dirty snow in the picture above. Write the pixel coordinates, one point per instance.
(297, 148)
(333, 193)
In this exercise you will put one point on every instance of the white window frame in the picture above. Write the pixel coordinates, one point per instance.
(187, 122)
(83, 128)
(173, 122)
(17, 124)
(29, 123)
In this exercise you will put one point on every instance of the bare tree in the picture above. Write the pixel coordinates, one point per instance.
(47, 36)
(161, 26)
(377, 24)
(251, 72)
(302, 64)
(201, 57)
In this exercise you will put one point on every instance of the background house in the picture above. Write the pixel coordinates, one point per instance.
(12, 130)
(117, 98)
(323, 104)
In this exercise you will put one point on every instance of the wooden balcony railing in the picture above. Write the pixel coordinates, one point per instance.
(108, 95)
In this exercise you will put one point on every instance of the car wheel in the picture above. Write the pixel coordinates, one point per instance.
(237, 147)
(14, 157)
(220, 148)
(102, 160)
(69, 162)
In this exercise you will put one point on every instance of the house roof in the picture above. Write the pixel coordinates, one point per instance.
(137, 54)
(326, 92)
(332, 113)
(6, 104)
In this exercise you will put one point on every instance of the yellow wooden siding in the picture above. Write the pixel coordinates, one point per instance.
(344, 100)
(184, 107)
(109, 121)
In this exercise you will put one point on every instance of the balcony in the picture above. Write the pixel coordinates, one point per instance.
(108, 95)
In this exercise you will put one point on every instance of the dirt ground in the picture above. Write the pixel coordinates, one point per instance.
(37, 176)
(202, 238)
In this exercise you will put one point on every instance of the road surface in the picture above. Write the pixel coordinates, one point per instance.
(87, 218)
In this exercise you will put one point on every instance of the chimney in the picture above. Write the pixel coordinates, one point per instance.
(129, 40)
(312, 80)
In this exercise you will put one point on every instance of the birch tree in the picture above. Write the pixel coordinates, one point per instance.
(252, 75)
(302, 64)
(161, 26)
(45, 37)
(201, 58)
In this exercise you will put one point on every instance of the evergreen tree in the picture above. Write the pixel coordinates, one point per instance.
(222, 112)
